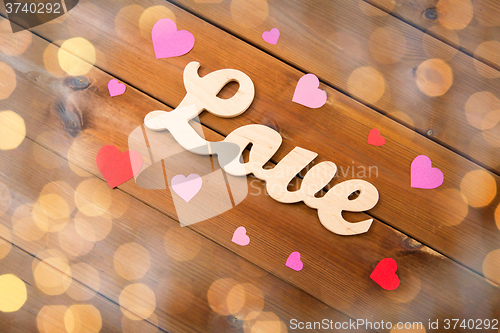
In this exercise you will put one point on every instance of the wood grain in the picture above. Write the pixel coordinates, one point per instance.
(435, 18)
(338, 132)
(179, 277)
(342, 264)
(372, 57)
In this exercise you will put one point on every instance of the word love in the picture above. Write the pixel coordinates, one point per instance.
(202, 95)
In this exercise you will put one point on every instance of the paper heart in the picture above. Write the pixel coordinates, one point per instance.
(385, 274)
(375, 139)
(116, 88)
(170, 42)
(186, 187)
(423, 175)
(294, 261)
(307, 92)
(240, 236)
(117, 168)
(271, 36)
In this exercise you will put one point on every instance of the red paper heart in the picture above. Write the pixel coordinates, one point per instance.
(385, 274)
(374, 138)
(117, 168)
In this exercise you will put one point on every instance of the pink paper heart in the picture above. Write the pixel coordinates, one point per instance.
(117, 168)
(116, 88)
(240, 236)
(307, 92)
(375, 139)
(271, 36)
(294, 261)
(168, 41)
(186, 187)
(423, 175)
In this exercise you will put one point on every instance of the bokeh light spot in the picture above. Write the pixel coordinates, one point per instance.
(226, 296)
(12, 127)
(387, 45)
(479, 187)
(491, 267)
(131, 261)
(50, 319)
(455, 14)
(93, 197)
(82, 318)
(150, 16)
(13, 293)
(434, 77)
(7, 81)
(77, 56)
(5, 198)
(483, 110)
(53, 275)
(490, 51)
(249, 13)
(5, 241)
(86, 282)
(367, 84)
(137, 301)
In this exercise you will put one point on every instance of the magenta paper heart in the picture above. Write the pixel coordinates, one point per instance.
(294, 261)
(240, 237)
(186, 187)
(116, 88)
(271, 36)
(168, 42)
(423, 175)
(307, 92)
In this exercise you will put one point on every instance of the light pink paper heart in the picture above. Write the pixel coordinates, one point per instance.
(168, 41)
(240, 236)
(307, 92)
(271, 36)
(294, 261)
(116, 88)
(186, 187)
(423, 175)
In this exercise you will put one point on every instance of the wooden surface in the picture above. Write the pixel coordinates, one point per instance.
(442, 239)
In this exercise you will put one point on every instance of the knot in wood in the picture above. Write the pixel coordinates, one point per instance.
(431, 14)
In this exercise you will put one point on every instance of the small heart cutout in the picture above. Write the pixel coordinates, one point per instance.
(240, 236)
(375, 139)
(116, 88)
(423, 175)
(117, 168)
(307, 92)
(271, 36)
(186, 187)
(168, 41)
(294, 261)
(385, 274)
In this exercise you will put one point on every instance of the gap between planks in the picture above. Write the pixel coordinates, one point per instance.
(273, 161)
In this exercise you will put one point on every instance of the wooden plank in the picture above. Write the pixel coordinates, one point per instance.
(41, 309)
(374, 58)
(471, 26)
(342, 264)
(178, 265)
(338, 131)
